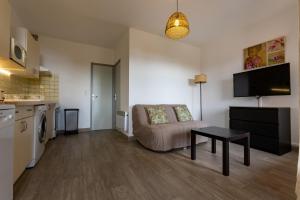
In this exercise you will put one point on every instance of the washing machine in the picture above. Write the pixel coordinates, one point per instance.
(39, 136)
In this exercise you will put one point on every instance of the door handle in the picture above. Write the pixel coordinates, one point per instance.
(94, 96)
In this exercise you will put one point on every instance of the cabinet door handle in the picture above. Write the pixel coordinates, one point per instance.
(24, 128)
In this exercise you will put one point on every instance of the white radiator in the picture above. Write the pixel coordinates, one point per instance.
(122, 121)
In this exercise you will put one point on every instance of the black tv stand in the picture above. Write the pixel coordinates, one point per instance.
(270, 128)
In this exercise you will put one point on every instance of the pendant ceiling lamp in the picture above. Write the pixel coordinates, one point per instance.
(177, 26)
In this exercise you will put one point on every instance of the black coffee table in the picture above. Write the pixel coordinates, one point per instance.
(226, 136)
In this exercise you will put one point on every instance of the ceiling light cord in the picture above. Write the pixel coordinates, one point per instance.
(177, 5)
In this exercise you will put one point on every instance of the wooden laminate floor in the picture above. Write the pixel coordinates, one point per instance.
(106, 166)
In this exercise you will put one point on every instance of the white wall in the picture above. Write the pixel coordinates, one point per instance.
(160, 71)
(15, 19)
(72, 62)
(298, 171)
(122, 54)
(224, 56)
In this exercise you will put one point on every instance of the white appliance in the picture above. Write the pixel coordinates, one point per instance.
(39, 135)
(17, 52)
(7, 120)
(51, 121)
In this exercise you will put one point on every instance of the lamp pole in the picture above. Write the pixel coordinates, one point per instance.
(200, 79)
(201, 118)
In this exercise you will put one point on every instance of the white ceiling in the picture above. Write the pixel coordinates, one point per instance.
(102, 22)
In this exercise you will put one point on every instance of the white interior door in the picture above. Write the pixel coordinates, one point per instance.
(102, 97)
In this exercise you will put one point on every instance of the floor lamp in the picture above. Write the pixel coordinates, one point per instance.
(200, 79)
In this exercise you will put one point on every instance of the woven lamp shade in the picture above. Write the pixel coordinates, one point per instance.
(201, 78)
(177, 26)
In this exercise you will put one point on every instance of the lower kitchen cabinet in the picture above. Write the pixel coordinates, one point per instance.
(23, 141)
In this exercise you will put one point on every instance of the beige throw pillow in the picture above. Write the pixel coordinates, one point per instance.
(157, 115)
(183, 114)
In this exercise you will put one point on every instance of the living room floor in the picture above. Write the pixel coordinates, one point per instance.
(105, 165)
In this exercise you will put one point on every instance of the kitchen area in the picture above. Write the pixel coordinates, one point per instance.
(29, 96)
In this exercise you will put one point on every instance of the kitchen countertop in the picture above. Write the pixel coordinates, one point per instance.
(29, 102)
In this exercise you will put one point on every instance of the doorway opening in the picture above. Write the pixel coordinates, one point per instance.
(104, 95)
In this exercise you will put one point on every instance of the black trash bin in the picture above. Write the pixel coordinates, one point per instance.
(71, 120)
(56, 121)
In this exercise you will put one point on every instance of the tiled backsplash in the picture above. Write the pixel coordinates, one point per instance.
(46, 87)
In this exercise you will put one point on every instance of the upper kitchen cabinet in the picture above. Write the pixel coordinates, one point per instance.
(5, 13)
(26, 42)
(33, 57)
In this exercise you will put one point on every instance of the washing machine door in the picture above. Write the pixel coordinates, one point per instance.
(42, 128)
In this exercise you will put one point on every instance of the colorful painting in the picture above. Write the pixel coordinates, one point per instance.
(265, 54)
(255, 56)
(276, 45)
(275, 58)
(276, 52)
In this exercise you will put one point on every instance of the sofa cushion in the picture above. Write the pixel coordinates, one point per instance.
(157, 114)
(183, 114)
(164, 137)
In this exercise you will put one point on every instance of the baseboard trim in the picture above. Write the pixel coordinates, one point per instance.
(295, 147)
(59, 132)
(131, 138)
(81, 130)
(84, 130)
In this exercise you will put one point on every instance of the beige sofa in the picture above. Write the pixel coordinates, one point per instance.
(163, 137)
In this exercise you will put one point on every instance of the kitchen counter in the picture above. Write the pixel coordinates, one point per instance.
(29, 102)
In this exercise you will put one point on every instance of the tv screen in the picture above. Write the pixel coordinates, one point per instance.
(269, 81)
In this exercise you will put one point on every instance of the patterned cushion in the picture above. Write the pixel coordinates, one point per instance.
(183, 114)
(157, 115)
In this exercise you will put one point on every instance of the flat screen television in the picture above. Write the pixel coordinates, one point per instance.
(269, 81)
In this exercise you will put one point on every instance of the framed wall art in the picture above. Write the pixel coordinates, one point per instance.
(265, 54)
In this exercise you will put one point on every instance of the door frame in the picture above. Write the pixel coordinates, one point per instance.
(93, 64)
